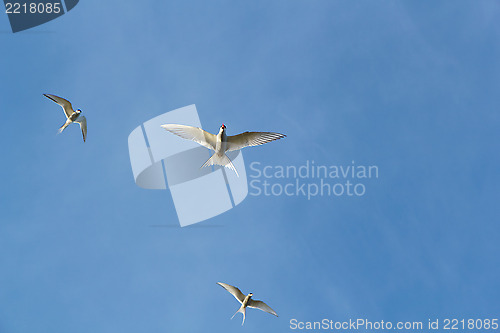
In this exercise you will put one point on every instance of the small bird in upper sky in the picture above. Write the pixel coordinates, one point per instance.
(221, 143)
(71, 115)
(246, 301)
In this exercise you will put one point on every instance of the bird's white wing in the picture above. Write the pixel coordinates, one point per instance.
(195, 134)
(261, 306)
(83, 125)
(234, 291)
(247, 139)
(64, 103)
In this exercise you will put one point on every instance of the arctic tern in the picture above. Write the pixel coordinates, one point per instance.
(71, 115)
(246, 301)
(221, 143)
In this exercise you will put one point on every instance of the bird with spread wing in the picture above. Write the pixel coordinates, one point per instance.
(221, 143)
(246, 301)
(71, 115)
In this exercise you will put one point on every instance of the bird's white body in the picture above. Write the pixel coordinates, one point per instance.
(246, 301)
(76, 117)
(221, 143)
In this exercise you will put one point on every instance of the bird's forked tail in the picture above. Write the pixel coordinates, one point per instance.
(220, 160)
(243, 311)
(63, 127)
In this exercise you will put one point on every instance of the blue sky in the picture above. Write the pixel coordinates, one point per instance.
(409, 86)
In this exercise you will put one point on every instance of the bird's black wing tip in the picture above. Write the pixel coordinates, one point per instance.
(49, 97)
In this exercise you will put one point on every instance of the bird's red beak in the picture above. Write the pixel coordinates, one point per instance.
(223, 126)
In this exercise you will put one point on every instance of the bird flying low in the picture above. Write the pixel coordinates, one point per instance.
(246, 301)
(221, 143)
(71, 115)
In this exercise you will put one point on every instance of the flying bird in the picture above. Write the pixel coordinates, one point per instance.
(246, 301)
(71, 115)
(221, 143)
